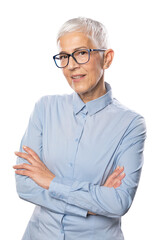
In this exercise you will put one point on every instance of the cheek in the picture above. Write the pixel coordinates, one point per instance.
(95, 70)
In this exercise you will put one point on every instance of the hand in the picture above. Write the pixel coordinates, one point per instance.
(36, 170)
(115, 179)
(91, 213)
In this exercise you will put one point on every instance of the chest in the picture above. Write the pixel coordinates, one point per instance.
(82, 147)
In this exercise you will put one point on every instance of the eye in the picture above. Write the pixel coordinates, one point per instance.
(62, 57)
(83, 52)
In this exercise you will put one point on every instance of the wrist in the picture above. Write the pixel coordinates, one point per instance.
(50, 180)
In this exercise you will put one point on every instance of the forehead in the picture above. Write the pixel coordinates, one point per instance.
(71, 41)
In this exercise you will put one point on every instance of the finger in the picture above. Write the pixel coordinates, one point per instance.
(117, 181)
(121, 176)
(23, 166)
(23, 172)
(32, 153)
(117, 184)
(26, 156)
(92, 213)
(116, 172)
(114, 175)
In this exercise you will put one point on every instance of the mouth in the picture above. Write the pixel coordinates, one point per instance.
(77, 77)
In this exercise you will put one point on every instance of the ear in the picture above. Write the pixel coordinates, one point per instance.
(108, 58)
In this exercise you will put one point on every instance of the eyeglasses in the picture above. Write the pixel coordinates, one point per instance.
(80, 56)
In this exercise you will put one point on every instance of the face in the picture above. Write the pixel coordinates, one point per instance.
(83, 78)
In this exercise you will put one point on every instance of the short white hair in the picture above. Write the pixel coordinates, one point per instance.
(94, 29)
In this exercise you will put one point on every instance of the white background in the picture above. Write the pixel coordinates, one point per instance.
(27, 43)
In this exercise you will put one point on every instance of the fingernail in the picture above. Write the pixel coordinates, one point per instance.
(24, 147)
(16, 152)
(120, 168)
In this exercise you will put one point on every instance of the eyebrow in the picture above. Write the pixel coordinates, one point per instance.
(82, 47)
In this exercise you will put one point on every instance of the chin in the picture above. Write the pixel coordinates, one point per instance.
(80, 89)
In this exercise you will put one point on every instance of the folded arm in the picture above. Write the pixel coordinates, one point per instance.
(36, 170)
(102, 200)
(69, 196)
(27, 188)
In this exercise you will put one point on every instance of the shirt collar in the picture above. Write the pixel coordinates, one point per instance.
(95, 105)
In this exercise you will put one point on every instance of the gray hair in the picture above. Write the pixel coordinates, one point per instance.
(94, 29)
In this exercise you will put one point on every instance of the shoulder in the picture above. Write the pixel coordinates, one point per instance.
(133, 119)
(121, 108)
(50, 100)
(118, 106)
(49, 103)
(46, 105)
(136, 124)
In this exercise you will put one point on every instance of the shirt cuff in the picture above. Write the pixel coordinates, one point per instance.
(60, 188)
(70, 209)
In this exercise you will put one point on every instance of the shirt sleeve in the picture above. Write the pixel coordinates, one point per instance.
(27, 189)
(103, 200)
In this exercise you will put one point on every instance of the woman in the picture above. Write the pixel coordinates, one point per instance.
(77, 147)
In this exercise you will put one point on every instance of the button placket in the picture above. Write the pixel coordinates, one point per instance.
(78, 136)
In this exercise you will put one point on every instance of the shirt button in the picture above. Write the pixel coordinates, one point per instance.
(70, 164)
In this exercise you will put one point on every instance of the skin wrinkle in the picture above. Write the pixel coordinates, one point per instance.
(92, 86)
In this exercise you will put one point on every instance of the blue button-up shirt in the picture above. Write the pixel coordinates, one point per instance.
(82, 144)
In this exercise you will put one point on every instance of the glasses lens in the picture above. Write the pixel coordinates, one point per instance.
(61, 60)
(81, 56)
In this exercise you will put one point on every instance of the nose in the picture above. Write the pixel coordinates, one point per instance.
(72, 63)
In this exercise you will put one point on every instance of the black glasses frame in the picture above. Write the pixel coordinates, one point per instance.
(72, 55)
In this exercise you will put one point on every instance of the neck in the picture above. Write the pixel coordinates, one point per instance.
(98, 91)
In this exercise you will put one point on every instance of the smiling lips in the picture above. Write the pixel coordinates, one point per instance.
(77, 77)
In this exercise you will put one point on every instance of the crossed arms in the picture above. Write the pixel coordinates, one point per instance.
(37, 184)
(41, 175)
